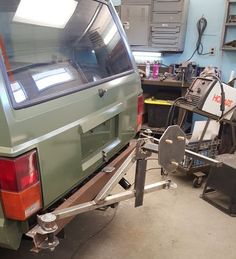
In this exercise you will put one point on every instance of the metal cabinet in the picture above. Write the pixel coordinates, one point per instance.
(135, 19)
(169, 20)
(164, 21)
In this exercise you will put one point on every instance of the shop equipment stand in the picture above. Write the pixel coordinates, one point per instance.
(215, 100)
(220, 188)
(198, 168)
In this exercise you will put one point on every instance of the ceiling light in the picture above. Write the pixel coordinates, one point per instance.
(49, 13)
(147, 54)
(144, 56)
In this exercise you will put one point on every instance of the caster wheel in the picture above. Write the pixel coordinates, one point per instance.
(197, 182)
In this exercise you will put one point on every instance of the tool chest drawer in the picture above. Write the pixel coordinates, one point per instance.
(167, 41)
(163, 29)
(165, 17)
(136, 2)
(162, 6)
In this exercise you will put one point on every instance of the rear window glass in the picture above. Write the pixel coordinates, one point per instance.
(52, 48)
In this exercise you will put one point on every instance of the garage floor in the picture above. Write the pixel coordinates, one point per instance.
(174, 224)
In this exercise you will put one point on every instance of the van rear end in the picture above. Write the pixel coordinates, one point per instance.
(70, 99)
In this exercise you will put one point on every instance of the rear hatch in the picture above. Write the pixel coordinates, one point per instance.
(70, 90)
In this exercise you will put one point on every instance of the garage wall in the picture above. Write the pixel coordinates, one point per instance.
(213, 11)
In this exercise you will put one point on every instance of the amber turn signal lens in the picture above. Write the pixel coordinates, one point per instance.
(21, 205)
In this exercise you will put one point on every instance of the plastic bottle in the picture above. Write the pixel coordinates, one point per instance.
(156, 70)
(148, 69)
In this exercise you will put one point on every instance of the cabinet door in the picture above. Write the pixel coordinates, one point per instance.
(135, 19)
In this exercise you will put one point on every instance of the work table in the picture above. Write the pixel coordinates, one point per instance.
(166, 82)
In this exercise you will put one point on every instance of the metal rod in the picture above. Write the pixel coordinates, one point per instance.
(106, 190)
(89, 206)
(209, 160)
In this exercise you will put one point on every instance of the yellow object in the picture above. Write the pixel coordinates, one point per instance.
(158, 102)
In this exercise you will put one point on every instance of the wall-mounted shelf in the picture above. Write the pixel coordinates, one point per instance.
(229, 30)
(230, 24)
(228, 48)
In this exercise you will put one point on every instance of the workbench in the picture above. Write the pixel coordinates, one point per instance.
(167, 85)
(167, 89)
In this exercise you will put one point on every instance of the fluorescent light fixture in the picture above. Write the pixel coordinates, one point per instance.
(144, 56)
(18, 92)
(50, 78)
(110, 35)
(49, 13)
(147, 54)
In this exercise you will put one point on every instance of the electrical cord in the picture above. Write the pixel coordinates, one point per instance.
(222, 105)
(95, 234)
(201, 27)
(170, 115)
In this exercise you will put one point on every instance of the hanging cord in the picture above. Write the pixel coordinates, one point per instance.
(222, 105)
(201, 27)
(170, 116)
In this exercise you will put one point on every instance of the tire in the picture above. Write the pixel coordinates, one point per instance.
(197, 182)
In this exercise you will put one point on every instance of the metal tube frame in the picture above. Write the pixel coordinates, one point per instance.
(44, 233)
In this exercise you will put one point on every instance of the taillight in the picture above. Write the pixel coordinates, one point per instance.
(19, 186)
(140, 112)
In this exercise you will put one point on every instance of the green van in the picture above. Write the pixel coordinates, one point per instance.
(70, 99)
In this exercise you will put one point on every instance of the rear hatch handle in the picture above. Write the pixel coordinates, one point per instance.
(101, 92)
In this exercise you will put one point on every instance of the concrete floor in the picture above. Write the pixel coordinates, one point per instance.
(174, 224)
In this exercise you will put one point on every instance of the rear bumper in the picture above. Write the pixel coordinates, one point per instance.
(10, 234)
(11, 231)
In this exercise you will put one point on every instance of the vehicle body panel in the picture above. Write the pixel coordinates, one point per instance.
(74, 134)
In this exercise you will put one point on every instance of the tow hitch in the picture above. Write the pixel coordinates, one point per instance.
(171, 150)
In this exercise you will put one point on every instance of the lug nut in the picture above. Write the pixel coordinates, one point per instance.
(181, 138)
(169, 141)
(175, 163)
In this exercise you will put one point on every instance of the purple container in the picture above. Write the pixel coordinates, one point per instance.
(155, 70)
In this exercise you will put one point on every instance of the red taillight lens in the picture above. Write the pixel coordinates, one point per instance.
(20, 190)
(140, 112)
(140, 104)
(19, 173)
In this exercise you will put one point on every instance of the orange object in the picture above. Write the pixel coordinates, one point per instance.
(21, 205)
(5, 57)
(140, 110)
